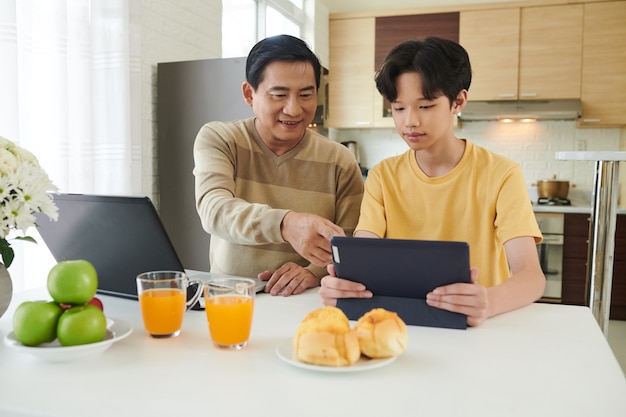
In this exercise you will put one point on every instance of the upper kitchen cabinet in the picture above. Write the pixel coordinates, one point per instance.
(357, 47)
(532, 53)
(491, 38)
(551, 39)
(604, 65)
(393, 30)
(351, 77)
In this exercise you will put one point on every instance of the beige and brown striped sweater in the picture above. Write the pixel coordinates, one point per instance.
(243, 191)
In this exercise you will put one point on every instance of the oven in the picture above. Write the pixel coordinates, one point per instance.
(551, 253)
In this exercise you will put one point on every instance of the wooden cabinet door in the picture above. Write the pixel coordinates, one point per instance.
(393, 30)
(618, 285)
(491, 37)
(575, 248)
(604, 64)
(529, 53)
(351, 74)
(551, 40)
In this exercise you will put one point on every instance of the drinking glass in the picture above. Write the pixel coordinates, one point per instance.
(229, 304)
(163, 301)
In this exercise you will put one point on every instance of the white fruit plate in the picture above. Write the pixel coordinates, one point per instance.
(53, 352)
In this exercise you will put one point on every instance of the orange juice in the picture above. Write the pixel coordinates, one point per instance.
(162, 310)
(230, 318)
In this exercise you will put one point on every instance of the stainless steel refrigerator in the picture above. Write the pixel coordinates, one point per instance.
(190, 94)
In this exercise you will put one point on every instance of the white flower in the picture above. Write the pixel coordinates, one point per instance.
(24, 191)
(8, 162)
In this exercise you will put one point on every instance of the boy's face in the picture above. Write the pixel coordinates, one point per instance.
(421, 122)
(284, 103)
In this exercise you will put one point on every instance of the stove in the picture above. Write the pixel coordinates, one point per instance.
(544, 201)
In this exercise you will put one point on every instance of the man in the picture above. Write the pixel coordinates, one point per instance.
(270, 191)
(447, 188)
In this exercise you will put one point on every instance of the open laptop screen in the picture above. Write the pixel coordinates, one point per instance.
(120, 236)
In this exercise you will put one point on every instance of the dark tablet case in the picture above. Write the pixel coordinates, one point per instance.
(400, 272)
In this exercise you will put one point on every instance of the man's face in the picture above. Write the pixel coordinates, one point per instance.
(284, 103)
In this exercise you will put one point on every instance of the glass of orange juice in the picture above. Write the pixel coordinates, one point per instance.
(229, 303)
(163, 301)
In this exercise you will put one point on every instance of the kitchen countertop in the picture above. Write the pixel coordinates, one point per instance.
(574, 208)
(544, 208)
(540, 360)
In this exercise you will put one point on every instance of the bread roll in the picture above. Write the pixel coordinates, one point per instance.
(324, 338)
(381, 334)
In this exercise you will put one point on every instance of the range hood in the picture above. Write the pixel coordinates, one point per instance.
(513, 110)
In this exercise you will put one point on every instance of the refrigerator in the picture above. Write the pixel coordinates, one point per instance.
(190, 94)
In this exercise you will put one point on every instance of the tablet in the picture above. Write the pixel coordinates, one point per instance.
(400, 267)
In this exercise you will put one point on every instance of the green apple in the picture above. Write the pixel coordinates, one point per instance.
(72, 282)
(81, 325)
(35, 322)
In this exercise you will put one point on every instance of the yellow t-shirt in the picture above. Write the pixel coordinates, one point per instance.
(482, 201)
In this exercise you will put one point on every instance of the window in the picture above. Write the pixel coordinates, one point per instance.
(244, 22)
(238, 27)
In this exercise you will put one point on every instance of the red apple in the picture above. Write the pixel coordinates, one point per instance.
(96, 302)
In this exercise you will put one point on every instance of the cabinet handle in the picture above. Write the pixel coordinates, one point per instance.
(591, 120)
(363, 123)
(506, 95)
(529, 94)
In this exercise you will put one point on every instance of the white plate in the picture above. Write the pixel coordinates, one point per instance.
(285, 352)
(53, 352)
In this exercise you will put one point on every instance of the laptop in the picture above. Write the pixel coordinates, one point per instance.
(121, 236)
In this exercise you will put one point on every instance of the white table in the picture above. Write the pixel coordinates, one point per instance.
(542, 360)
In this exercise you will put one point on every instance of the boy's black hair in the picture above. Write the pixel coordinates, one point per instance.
(278, 48)
(443, 65)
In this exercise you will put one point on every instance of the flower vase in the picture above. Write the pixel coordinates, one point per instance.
(6, 289)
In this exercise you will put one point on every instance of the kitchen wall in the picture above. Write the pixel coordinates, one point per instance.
(533, 145)
(171, 31)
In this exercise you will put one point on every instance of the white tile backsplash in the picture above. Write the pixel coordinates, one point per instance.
(533, 145)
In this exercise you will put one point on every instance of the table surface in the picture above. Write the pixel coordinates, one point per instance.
(541, 360)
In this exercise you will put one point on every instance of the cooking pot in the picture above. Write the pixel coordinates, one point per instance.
(552, 189)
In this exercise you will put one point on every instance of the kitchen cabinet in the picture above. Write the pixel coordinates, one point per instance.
(351, 78)
(618, 290)
(357, 48)
(551, 40)
(575, 254)
(491, 37)
(529, 53)
(393, 30)
(603, 64)
(575, 247)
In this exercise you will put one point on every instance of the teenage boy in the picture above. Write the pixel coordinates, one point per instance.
(447, 188)
(270, 191)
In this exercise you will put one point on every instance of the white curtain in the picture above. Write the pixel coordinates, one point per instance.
(70, 93)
